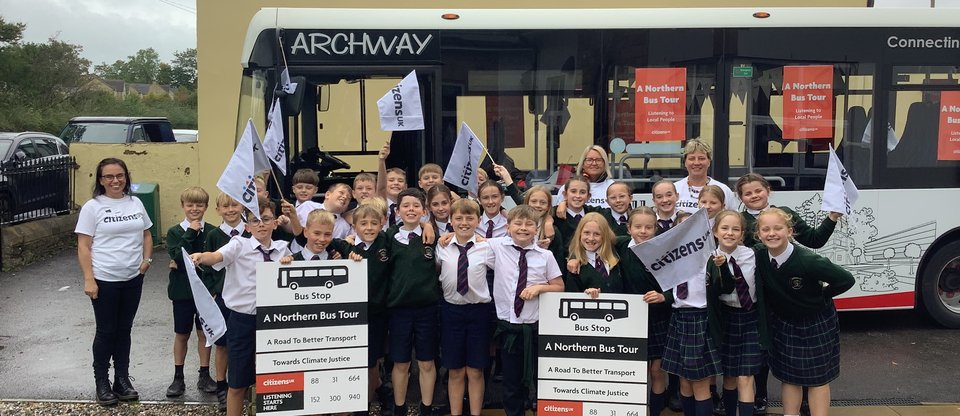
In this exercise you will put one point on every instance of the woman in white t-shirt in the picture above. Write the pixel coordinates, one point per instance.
(114, 247)
(696, 159)
(595, 168)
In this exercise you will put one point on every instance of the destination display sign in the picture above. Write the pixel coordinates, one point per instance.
(336, 45)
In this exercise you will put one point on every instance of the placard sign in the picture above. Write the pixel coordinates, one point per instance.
(661, 102)
(311, 337)
(593, 355)
(949, 143)
(808, 102)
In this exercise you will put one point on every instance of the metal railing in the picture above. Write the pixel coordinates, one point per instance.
(36, 188)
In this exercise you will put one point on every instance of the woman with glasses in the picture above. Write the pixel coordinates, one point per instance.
(593, 166)
(696, 160)
(114, 247)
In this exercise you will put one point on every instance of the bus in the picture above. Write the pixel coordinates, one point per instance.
(605, 309)
(770, 90)
(312, 276)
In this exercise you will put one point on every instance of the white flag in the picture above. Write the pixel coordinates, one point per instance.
(677, 256)
(237, 177)
(273, 143)
(285, 83)
(400, 108)
(211, 320)
(462, 169)
(839, 191)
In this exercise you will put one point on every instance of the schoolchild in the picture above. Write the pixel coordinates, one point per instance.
(370, 243)
(430, 175)
(523, 271)
(288, 224)
(305, 187)
(755, 191)
(711, 198)
(797, 287)
(412, 300)
(576, 194)
(693, 339)
(665, 202)
(548, 236)
(438, 201)
(390, 182)
(618, 201)
(465, 330)
(642, 226)
(509, 187)
(599, 268)
(240, 256)
(492, 222)
(364, 187)
(336, 201)
(190, 235)
(740, 353)
(231, 226)
(318, 235)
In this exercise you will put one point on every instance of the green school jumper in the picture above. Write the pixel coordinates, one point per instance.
(342, 250)
(794, 289)
(637, 279)
(618, 230)
(589, 277)
(179, 286)
(378, 272)
(802, 232)
(213, 278)
(414, 282)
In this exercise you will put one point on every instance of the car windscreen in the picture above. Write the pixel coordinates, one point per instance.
(4, 147)
(95, 133)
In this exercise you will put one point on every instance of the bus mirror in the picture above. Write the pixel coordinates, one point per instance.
(292, 103)
(535, 104)
(323, 97)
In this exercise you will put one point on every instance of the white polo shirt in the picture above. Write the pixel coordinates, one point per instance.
(240, 257)
(504, 260)
(448, 259)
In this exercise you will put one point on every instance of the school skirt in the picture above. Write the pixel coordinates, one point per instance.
(657, 334)
(740, 353)
(690, 352)
(806, 351)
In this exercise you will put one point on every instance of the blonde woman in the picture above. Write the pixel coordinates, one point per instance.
(595, 168)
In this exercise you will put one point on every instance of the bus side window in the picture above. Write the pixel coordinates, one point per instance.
(620, 306)
(310, 273)
(295, 273)
(324, 272)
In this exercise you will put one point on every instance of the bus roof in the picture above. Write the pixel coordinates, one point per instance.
(666, 18)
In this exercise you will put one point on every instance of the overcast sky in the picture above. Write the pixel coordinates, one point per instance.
(108, 30)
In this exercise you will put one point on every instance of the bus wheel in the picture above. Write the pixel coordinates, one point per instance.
(329, 284)
(574, 317)
(940, 287)
(608, 317)
(294, 285)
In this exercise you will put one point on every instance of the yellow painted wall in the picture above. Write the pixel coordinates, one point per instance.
(222, 24)
(174, 166)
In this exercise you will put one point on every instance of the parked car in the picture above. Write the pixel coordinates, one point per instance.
(34, 174)
(117, 130)
(185, 135)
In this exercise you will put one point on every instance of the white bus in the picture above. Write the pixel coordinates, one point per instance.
(881, 85)
(605, 309)
(312, 276)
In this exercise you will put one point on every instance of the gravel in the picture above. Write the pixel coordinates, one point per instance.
(41, 408)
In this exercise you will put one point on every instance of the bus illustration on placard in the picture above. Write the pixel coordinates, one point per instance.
(606, 309)
(327, 276)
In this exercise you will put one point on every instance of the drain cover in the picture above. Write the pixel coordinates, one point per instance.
(862, 402)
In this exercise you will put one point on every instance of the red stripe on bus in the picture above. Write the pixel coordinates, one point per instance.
(892, 300)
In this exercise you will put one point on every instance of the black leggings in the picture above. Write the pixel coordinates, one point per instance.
(114, 309)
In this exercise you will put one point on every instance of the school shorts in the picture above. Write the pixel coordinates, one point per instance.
(225, 311)
(185, 316)
(413, 328)
(377, 338)
(241, 349)
(464, 335)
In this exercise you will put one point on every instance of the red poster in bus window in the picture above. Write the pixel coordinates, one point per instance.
(661, 101)
(948, 147)
(808, 102)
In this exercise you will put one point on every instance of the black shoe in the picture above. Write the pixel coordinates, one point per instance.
(400, 410)
(717, 405)
(105, 394)
(673, 403)
(205, 383)
(222, 400)
(760, 406)
(177, 387)
(124, 388)
(804, 409)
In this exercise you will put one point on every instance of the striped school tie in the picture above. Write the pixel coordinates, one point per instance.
(623, 219)
(489, 233)
(449, 227)
(315, 257)
(743, 289)
(601, 268)
(462, 265)
(682, 291)
(665, 224)
(266, 253)
(234, 233)
(362, 245)
(521, 281)
(774, 264)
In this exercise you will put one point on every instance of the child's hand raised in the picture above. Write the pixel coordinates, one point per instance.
(385, 151)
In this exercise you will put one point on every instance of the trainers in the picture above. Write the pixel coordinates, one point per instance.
(105, 394)
(205, 383)
(177, 387)
(124, 388)
(222, 401)
(673, 403)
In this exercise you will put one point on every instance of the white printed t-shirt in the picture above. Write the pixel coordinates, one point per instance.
(116, 226)
(688, 197)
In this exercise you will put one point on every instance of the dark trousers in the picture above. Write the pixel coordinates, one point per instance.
(515, 393)
(114, 309)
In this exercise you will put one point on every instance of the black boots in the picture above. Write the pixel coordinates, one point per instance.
(105, 395)
(124, 389)
(204, 382)
(177, 387)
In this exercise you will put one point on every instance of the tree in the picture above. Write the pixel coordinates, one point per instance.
(184, 69)
(142, 67)
(11, 32)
